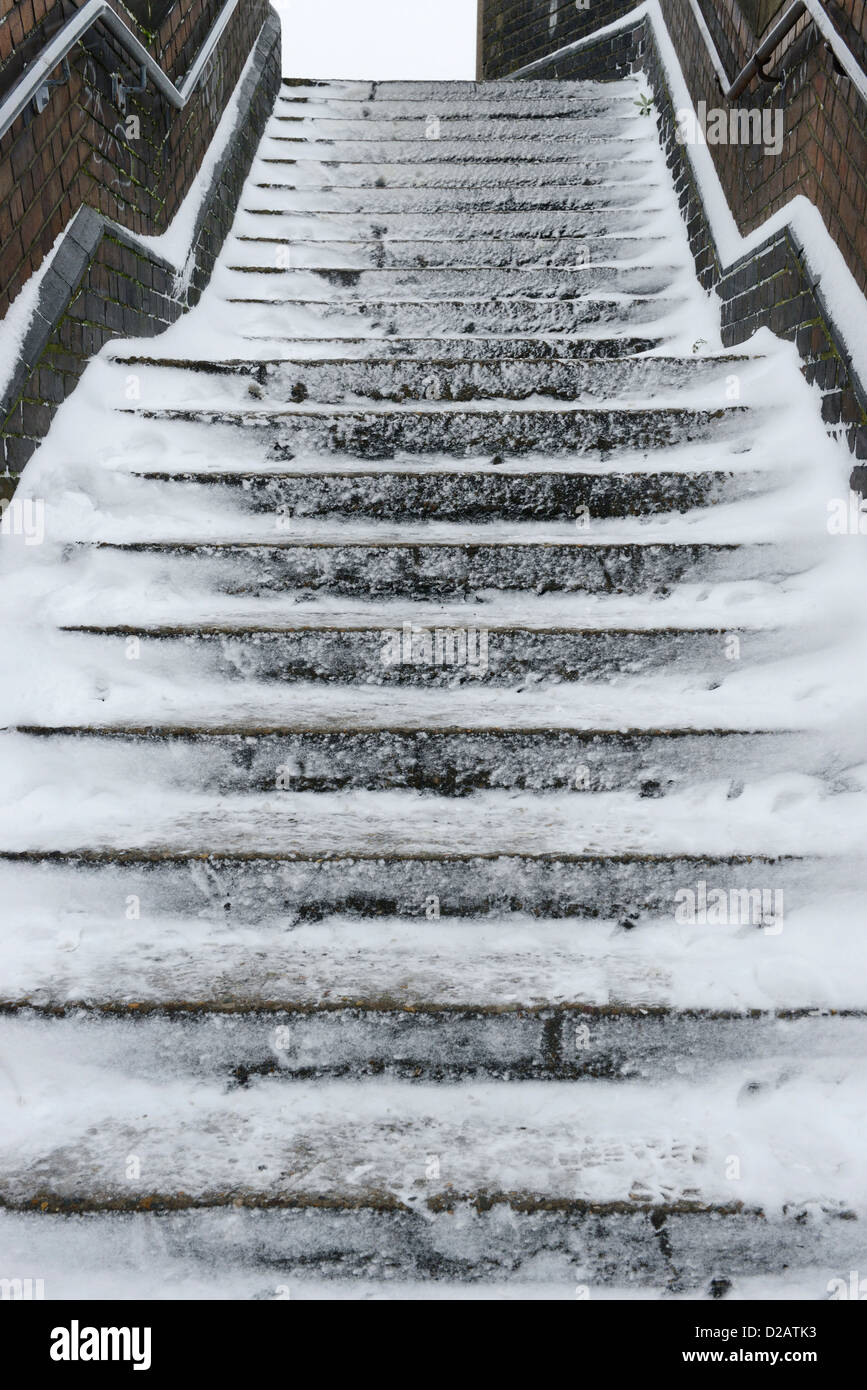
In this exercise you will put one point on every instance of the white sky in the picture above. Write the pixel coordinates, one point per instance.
(378, 38)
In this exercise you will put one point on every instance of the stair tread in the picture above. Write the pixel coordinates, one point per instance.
(761, 604)
(639, 704)
(371, 1142)
(701, 821)
(584, 972)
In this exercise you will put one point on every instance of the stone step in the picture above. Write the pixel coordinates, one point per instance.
(513, 105)
(429, 1043)
(181, 912)
(445, 762)
(467, 494)
(326, 174)
(423, 570)
(514, 1250)
(434, 127)
(108, 685)
(455, 348)
(456, 228)
(164, 823)
(443, 428)
(280, 192)
(441, 656)
(215, 936)
(443, 317)
(492, 89)
(465, 149)
(356, 288)
(627, 1148)
(414, 655)
(629, 380)
(380, 253)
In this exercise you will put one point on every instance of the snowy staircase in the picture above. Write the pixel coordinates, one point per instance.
(419, 623)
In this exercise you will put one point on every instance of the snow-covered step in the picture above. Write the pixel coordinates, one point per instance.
(443, 570)
(59, 902)
(369, 1144)
(439, 656)
(371, 252)
(513, 104)
(126, 693)
(452, 347)
(484, 131)
(112, 587)
(467, 1253)
(419, 151)
(401, 492)
(529, 92)
(629, 380)
(356, 288)
(445, 762)
(261, 217)
(405, 318)
(777, 816)
(279, 192)
(388, 1034)
(266, 936)
(441, 428)
(448, 174)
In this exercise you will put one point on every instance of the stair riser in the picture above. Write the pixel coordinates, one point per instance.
(627, 380)
(482, 434)
(397, 286)
(595, 1248)
(377, 253)
(442, 1045)
(445, 571)
(276, 163)
(475, 497)
(282, 892)
(445, 657)
(443, 764)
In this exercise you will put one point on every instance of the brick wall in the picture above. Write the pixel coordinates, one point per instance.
(823, 156)
(515, 32)
(75, 170)
(80, 151)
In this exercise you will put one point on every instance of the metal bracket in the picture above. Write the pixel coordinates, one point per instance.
(42, 95)
(762, 70)
(120, 90)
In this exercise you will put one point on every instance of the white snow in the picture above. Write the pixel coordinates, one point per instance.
(20, 314)
(79, 1095)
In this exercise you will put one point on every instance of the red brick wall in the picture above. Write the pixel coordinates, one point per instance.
(824, 154)
(76, 170)
(78, 151)
(515, 32)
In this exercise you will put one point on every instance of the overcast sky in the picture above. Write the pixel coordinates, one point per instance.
(378, 38)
